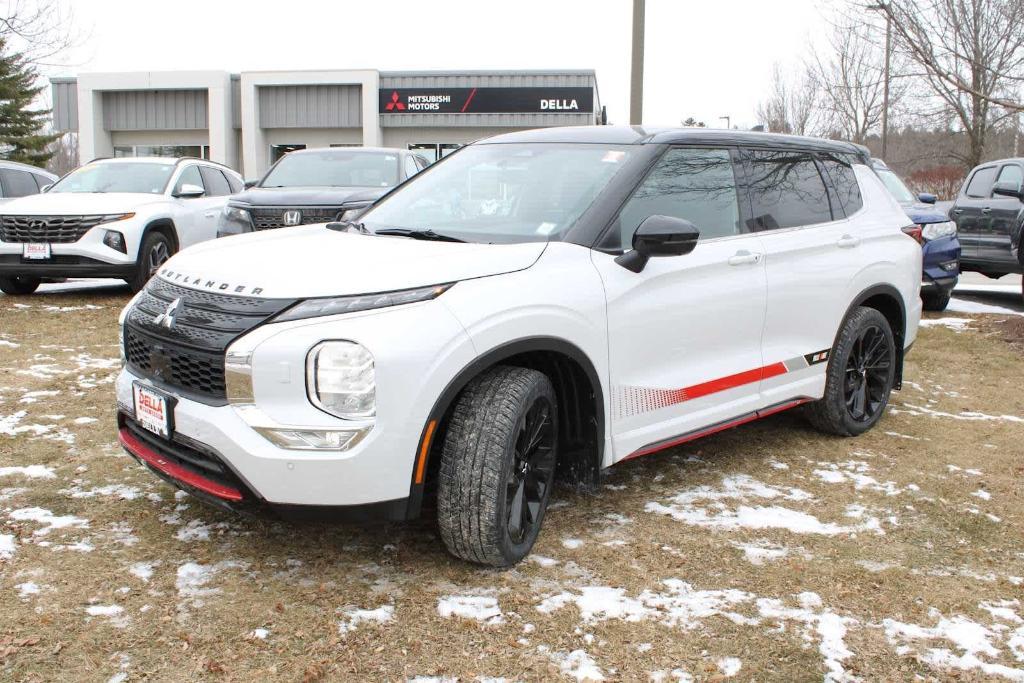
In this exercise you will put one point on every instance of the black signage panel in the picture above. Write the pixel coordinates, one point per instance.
(486, 100)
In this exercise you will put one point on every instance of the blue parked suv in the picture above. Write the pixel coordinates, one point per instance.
(940, 246)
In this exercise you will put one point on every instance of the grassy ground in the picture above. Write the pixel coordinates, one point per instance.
(767, 552)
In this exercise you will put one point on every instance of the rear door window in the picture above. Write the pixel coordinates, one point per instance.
(980, 186)
(698, 185)
(844, 180)
(216, 184)
(18, 183)
(786, 190)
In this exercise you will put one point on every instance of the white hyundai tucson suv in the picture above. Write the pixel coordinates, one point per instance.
(118, 218)
(537, 306)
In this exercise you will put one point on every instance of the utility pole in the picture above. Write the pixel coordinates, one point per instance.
(728, 121)
(636, 76)
(884, 7)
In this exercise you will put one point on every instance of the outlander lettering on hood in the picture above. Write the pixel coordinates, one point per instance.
(205, 283)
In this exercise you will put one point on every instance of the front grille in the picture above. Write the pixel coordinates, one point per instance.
(52, 229)
(189, 355)
(272, 218)
(188, 454)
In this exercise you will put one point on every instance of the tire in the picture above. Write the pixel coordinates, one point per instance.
(154, 251)
(935, 300)
(19, 285)
(484, 483)
(858, 379)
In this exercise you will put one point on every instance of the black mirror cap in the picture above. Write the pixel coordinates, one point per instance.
(659, 236)
(927, 198)
(1007, 190)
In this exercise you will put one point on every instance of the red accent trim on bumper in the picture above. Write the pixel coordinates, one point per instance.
(720, 427)
(155, 460)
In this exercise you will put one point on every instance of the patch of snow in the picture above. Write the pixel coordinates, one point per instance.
(957, 305)
(260, 633)
(142, 570)
(729, 666)
(572, 543)
(84, 420)
(27, 589)
(354, 617)
(778, 465)
(761, 552)
(114, 613)
(964, 415)
(983, 494)
(33, 396)
(193, 577)
(481, 608)
(120, 491)
(873, 566)
(955, 324)
(578, 664)
(30, 471)
(7, 546)
(47, 518)
(543, 561)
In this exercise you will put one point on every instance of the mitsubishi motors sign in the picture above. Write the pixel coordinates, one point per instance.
(486, 100)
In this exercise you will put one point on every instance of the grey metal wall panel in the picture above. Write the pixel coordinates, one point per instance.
(155, 109)
(485, 120)
(310, 106)
(236, 102)
(65, 104)
(470, 79)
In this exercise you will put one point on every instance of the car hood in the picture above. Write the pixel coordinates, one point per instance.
(71, 203)
(923, 214)
(312, 261)
(308, 196)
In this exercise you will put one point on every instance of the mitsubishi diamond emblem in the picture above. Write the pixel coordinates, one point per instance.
(166, 319)
(291, 218)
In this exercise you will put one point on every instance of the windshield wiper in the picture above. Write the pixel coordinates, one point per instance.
(348, 226)
(418, 234)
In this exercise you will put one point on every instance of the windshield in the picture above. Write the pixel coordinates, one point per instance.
(334, 169)
(148, 178)
(503, 192)
(895, 186)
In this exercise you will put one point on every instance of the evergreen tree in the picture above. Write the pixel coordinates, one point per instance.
(21, 136)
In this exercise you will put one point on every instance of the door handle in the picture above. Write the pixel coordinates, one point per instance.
(210, 214)
(744, 256)
(957, 211)
(987, 209)
(848, 242)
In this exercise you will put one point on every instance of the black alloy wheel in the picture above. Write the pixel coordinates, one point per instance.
(868, 369)
(532, 470)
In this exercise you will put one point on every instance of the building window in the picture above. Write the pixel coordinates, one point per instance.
(432, 151)
(278, 151)
(198, 151)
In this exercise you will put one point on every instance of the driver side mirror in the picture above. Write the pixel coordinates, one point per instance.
(1007, 189)
(189, 191)
(927, 198)
(659, 236)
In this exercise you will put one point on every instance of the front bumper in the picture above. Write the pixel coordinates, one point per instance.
(940, 263)
(86, 257)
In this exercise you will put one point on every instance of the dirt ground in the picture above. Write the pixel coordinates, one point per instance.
(769, 552)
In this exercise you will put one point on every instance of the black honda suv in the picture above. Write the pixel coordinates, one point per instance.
(989, 214)
(318, 186)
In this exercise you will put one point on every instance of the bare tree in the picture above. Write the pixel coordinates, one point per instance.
(971, 53)
(65, 154)
(791, 105)
(851, 71)
(38, 29)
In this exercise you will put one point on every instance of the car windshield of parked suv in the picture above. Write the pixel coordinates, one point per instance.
(334, 169)
(525, 192)
(895, 186)
(147, 178)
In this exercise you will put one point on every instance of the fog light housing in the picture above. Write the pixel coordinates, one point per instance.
(313, 439)
(950, 266)
(115, 240)
(340, 380)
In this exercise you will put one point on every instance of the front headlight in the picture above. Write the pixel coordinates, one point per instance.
(314, 308)
(350, 213)
(340, 379)
(933, 231)
(234, 220)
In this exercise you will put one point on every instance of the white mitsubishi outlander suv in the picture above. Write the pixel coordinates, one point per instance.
(119, 218)
(537, 305)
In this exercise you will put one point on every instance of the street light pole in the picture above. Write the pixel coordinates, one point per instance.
(728, 121)
(885, 87)
(636, 82)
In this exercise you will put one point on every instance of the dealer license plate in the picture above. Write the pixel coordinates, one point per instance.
(152, 410)
(35, 252)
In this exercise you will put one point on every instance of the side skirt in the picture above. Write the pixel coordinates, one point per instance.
(715, 428)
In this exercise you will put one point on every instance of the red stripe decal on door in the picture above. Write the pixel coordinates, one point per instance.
(733, 381)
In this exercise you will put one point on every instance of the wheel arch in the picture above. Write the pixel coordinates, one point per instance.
(162, 225)
(888, 301)
(581, 410)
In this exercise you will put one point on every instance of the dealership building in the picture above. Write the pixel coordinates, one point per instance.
(248, 120)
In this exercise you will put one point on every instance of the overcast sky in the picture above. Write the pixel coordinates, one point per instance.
(706, 58)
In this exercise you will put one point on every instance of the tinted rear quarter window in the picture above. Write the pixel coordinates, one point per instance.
(234, 183)
(18, 183)
(844, 180)
(786, 190)
(980, 185)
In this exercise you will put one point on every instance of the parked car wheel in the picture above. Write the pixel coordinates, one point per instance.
(935, 300)
(153, 253)
(497, 466)
(859, 377)
(19, 284)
